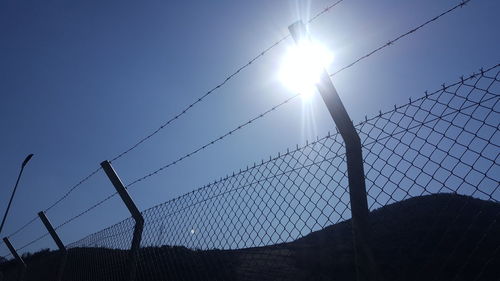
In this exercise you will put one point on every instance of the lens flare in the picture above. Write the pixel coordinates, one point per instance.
(302, 67)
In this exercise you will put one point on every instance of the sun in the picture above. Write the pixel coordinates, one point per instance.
(303, 65)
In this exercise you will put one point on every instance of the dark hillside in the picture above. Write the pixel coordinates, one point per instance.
(437, 237)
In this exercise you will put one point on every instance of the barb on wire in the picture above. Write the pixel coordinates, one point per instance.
(56, 202)
(181, 113)
(427, 95)
(23, 227)
(305, 190)
(369, 54)
(461, 4)
(200, 99)
(212, 142)
(73, 188)
(221, 84)
(32, 242)
(324, 11)
(86, 211)
(180, 159)
(274, 108)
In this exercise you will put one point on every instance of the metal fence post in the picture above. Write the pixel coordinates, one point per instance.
(139, 220)
(365, 264)
(59, 243)
(19, 259)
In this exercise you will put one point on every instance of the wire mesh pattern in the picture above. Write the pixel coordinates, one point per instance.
(432, 175)
(181, 113)
(250, 62)
(445, 142)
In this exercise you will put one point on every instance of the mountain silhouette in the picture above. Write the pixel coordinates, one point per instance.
(434, 237)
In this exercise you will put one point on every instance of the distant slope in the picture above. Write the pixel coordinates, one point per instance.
(436, 237)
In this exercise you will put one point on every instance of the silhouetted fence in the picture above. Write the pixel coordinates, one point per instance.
(432, 175)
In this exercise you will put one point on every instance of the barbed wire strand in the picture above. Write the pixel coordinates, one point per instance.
(427, 94)
(32, 242)
(214, 89)
(74, 187)
(463, 3)
(374, 51)
(214, 141)
(460, 5)
(291, 151)
(23, 227)
(462, 80)
(85, 211)
(324, 11)
(184, 111)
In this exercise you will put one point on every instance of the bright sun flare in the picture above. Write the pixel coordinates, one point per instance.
(302, 66)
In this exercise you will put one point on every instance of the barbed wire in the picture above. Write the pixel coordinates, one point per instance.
(73, 188)
(85, 211)
(214, 141)
(212, 90)
(67, 221)
(463, 3)
(461, 81)
(427, 94)
(324, 11)
(186, 109)
(286, 207)
(460, 5)
(23, 227)
(56, 202)
(374, 51)
(32, 242)
(177, 116)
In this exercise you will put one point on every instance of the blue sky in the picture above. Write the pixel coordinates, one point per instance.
(81, 82)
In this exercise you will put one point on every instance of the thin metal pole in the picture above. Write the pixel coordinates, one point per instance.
(59, 243)
(18, 258)
(134, 211)
(28, 158)
(365, 264)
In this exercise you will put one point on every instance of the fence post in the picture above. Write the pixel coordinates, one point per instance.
(19, 260)
(139, 220)
(365, 264)
(59, 243)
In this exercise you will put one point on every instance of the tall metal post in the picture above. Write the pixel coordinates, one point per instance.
(139, 220)
(18, 258)
(26, 160)
(365, 264)
(59, 243)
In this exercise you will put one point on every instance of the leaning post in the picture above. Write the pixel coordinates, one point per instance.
(134, 211)
(59, 243)
(365, 264)
(18, 258)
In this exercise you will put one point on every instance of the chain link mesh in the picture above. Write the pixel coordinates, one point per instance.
(432, 176)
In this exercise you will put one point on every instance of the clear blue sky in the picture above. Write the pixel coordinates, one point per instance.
(81, 81)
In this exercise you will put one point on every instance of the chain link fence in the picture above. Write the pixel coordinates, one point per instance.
(432, 176)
